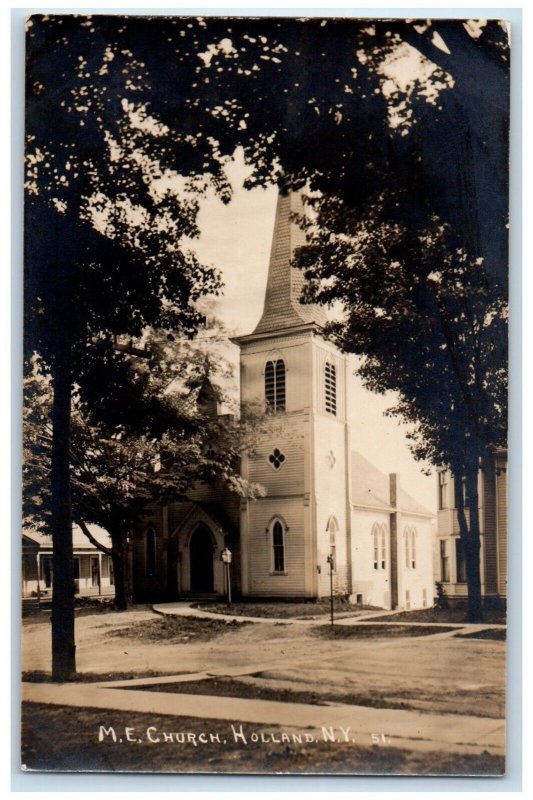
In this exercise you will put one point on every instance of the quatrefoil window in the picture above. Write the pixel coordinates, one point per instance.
(276, 458)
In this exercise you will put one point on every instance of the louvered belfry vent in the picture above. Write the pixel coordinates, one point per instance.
(330, 388)
(275, 385)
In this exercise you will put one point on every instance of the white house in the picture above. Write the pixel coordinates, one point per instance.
(93, 570)
(450, 567)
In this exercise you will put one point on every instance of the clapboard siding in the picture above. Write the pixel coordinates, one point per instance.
(289, 438)
(175, 516)
(153, 586)
(417, 580)
(323, 550)
(330, 492)
(446, 522)
(219, 494)
(330, 462)
(262, 581)
(373, 584)
(296, 353)
(492, 490)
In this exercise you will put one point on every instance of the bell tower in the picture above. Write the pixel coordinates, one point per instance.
(297, 379)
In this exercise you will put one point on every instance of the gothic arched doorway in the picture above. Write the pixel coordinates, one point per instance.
(201, 560)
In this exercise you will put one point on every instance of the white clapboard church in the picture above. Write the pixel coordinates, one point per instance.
(323, 498)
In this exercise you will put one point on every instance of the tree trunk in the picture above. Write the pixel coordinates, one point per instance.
(119, 555)
(470, 538)
(63, 639)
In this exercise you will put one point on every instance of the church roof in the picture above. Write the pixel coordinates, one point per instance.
(282, 307)
(370, 487)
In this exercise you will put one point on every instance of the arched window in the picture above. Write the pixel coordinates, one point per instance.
(413, 548)
(383, 547)
(332, 529)
(275, 385)
(375, 544)
(409, 535)
(278, 547)
(379, 544)
(151, 552)
(330, 387)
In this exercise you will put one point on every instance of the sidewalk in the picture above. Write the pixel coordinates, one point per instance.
(185, 609)
(411, 730)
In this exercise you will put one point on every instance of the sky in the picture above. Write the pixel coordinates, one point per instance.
(236, 238)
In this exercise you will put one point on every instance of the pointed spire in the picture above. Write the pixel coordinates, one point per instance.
(282, 307)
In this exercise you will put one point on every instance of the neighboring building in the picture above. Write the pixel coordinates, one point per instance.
(450, 568)
(93, 570)
(323, 499)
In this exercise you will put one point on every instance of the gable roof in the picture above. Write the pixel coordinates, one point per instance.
(282, 308)
(370, 487)
(178, 512)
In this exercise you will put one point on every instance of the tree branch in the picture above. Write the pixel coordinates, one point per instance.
(91, 538)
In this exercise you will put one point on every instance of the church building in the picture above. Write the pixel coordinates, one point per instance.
(326, 505)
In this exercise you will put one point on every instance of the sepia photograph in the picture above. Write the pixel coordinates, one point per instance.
(265, 435)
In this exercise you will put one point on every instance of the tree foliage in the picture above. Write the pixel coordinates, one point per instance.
(420, 267)
(130, 118)
(119, 471)
(425, 321)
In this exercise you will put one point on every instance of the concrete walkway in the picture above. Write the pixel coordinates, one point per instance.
(186, 609)
(183, 608)
(404, 729)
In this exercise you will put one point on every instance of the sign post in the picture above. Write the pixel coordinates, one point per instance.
(330, 560)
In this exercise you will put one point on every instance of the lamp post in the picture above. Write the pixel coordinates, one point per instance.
(330, 559)
(226, 558)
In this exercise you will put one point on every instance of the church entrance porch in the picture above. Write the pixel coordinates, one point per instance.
(184, 559)
(196, 540)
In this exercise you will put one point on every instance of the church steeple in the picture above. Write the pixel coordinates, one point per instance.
(282, 307)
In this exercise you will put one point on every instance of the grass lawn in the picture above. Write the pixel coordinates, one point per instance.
(493, 634)
(250, 689)
(83, 607)
(175, 630)
(37, 676)
(282, 610)
(377, 631)
(443, 615)
(61, 738)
